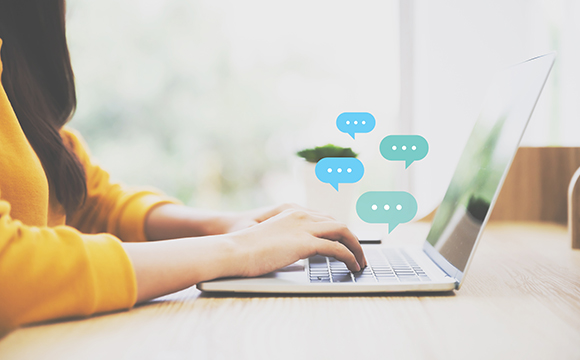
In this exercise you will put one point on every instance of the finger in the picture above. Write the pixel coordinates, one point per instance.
(339, 232)
(338, 251)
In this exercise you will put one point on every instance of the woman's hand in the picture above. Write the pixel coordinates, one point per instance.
(293, 234)
(271, 243)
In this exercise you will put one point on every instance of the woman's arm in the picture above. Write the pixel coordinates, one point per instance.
(56, 272)
(167, 266)
(172, 221)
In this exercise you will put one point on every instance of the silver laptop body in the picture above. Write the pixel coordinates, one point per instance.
(442, 262)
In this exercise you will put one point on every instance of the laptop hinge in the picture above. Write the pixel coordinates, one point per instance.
(442, 263)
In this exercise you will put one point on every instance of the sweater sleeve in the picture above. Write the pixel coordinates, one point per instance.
(48, 273)
(108, 207)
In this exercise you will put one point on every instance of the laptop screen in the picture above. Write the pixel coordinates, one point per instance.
(484, 163)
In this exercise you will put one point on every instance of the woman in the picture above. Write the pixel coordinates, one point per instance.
(61, 220)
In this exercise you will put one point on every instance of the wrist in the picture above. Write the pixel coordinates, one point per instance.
(231, 256)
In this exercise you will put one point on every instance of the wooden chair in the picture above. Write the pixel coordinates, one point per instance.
(536, 187)
(574, 209)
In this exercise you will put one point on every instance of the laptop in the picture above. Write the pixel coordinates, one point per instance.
(443, 260)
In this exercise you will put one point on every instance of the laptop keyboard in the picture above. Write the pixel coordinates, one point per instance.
(384, 266)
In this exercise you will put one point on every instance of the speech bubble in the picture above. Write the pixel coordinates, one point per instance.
(386, 207)
(337, 170)
(407, 148)
(355, 122)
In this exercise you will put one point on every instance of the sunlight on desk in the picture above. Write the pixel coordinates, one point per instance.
(520, 300)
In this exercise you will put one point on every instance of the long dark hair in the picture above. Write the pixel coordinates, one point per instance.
(39, 82)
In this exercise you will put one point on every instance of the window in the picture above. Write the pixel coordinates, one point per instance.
(210, 100)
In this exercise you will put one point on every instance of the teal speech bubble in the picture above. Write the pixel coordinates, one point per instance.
(407, 148)
(355, 122)
(336, 170)
(386, 207)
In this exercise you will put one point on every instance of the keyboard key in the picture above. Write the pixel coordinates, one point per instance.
(339, 268)
(385, 275)
(320, 278)
(364, 277)
(376, 268)
(337, 273)
(342, 278)
(319, 272)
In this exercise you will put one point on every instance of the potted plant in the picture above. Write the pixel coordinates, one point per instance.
(313, 155)
(321, 196)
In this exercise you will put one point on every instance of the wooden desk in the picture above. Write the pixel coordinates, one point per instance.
(521, 300)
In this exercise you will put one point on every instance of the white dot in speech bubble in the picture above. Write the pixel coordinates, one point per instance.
(339, 170)
(374, 207)
(394, 147)
(387, 207)
(329, 170)
(399, 207)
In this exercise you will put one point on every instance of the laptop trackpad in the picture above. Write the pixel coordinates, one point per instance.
(297, 266)
(293, 272)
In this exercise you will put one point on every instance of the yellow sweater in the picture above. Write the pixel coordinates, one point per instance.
(52, 266)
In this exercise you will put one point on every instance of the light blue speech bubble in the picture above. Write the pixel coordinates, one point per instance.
(336, 170)
(386, 207)
(355, 122)
(407, 148)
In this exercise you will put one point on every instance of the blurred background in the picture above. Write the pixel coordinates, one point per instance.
(209, 100)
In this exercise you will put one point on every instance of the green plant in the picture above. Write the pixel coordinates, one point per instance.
(313, 155)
